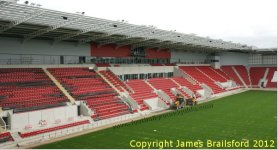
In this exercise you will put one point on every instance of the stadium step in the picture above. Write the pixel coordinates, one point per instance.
(107, 81)
(249, 77)
(204, 74)
(59, 85)
(218, 73)
(239, 77)
(266, 73)
(188, 77)
(175, 82)
(150, 85)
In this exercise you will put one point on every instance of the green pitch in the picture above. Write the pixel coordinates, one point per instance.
(245, 117)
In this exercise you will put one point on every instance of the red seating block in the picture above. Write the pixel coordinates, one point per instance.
(200, 76)
(7, 136)
(142, 91)
(24, 88)
(87, 85)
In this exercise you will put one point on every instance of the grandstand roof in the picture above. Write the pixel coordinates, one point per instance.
(29, 21)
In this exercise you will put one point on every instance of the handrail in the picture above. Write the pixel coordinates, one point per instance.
(164, 96)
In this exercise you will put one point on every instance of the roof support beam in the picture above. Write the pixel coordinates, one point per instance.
(123, 43)
(105, 42)
(143, 33)
(160, 45)
(51, 28)
(143, 43)
(70, 35)
(149, 45)
(92, 38)
(24, 19)
(110, 41)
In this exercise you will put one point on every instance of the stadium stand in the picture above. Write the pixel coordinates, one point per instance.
(269, 78)
(100, 97)
(256, 74)
(142, 91)
(36, 132)
(26, 89)
(47, 89)
(202, 78)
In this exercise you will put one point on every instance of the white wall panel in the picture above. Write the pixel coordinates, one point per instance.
(21, 120)
(141, 69)
(13, 45)
(230, 58)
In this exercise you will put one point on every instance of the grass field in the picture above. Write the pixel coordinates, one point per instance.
(247, 116)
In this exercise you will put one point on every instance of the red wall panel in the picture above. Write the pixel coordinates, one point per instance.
(110, 50)
(155, 53)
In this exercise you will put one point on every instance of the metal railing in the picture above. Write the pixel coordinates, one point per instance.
(15, 59)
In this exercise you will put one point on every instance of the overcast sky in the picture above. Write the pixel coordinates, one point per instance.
(251, 22)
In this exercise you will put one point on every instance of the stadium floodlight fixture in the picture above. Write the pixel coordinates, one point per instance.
(81, 13)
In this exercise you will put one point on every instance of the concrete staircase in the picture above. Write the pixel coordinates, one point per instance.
(175, 82)
(129, 88)
(205, 74)
(59, 85)
(264, 79)
(239, 77)
(218, 73)
(149, 84)
(249, 77)
(183, 74)
(107, 81)
(266, 73)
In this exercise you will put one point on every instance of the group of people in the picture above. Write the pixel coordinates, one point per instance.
(181, 102)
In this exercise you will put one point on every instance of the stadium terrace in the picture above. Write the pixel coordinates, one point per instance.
(74, 81)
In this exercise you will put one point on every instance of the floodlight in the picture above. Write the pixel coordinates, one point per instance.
(64, 17)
